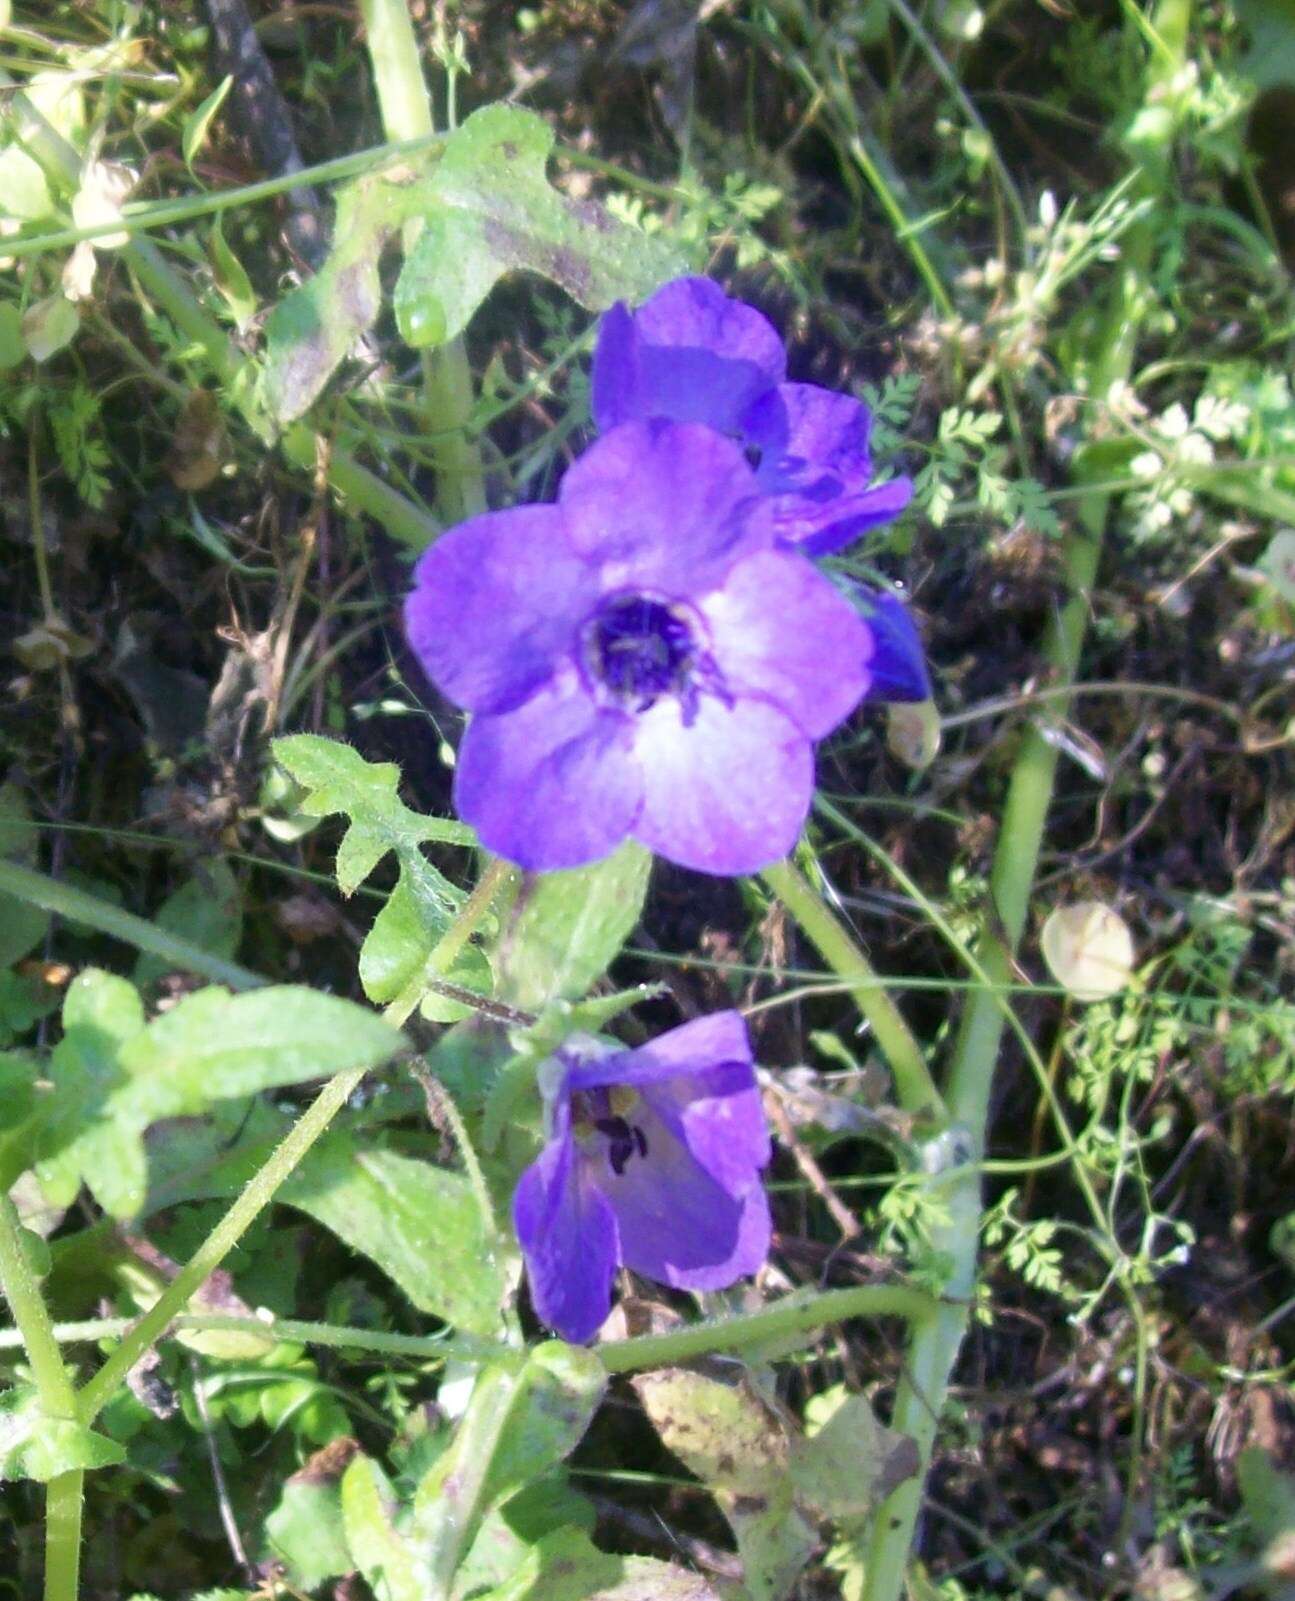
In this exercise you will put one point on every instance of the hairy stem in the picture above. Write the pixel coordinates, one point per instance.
(938, 1339)
(57, 1399)
(913, 1083)
(211, 1253)
(784, 1318)
(447, 378)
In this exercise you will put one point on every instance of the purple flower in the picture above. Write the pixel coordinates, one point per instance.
(652, 1161)
(898, 663)
(641, 659)
(693, 355)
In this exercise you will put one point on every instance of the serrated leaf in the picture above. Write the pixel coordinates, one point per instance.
(567, 928)
(215, 1046)
(338, 779)
(34, 1445)
(491, 210)
(421, 1224)
(22, 926)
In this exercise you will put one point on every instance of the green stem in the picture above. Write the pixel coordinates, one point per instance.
(447, 378)
(333, 1336)
(57, 1399)
(260, 1191)
(442, 954)
(64, 1499)
(64, 900)
(913, 1083)
(936, 1342)
(780, 1321)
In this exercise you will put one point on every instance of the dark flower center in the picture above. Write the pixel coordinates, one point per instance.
(601, 1111)
(640, 649)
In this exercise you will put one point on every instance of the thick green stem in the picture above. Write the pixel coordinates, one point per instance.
(211, 1253)
(57, 1399)
(914, 1086)
(447, 378)
(783, 1320)
(936, 1341)
(66, 901)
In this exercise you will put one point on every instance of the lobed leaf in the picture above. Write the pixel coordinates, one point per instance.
(491, 210)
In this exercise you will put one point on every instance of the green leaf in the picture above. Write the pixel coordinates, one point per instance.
(85, 1134)
(34, 1445)
(563, 1566)
(567, 928)
(645, 1579)
(194, 133)
(13, 349)
(849, 1464)
(553, 1404)
(48, 325)
(305, 1531)
(1271, 58)
(420, 1224)
(311, 330)
(113, 1076)
(23, 190)
(730, 1440)
(22, 926)
(230, 278)
(388, 1562)
(208, 910)
(338, 779)
(491, 209)
(214, 1046)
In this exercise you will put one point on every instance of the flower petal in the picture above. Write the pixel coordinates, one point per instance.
(552, 784)
(567, 1232)
(693, 1046)
(728, 793)
(689, 353)
(898, 664)
(677, 1222)
(663, 507)
(783, 632)
(816, 466)
(496, 606)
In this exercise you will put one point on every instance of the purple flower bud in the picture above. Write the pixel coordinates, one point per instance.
(691, 354)
(652, 1161)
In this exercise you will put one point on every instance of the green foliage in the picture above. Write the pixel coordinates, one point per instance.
(34, 1445)
(113, 1075)
(338, 779)
(489, 209)
(421, 1224)
(566, 928)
